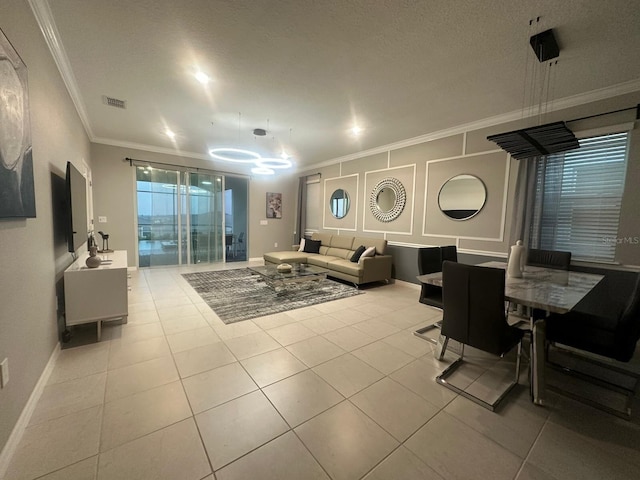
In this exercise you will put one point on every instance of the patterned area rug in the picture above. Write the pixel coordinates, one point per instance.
(237, 295)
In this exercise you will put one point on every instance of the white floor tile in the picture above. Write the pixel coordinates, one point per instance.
(302, 396)
(131, 417)
(348, 374)
(214, 387)
(239, 426)
(272, 366)
(284, 458)
(345, 441)
(201, 359)
(174, 452)
(51, 445)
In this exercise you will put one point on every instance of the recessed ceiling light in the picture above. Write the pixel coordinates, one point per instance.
(202, 77)
(169, 133)
(356, 130)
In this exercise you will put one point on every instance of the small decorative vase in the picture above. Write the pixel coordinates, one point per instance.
(284, 268)
(93, 261)
(516, 260)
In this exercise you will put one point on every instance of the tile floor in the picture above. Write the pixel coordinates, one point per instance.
(341, 390)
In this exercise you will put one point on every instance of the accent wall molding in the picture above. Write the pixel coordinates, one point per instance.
(350, 221)
(437, 225)
(403, 224)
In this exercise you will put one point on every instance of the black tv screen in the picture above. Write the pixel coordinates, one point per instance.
(77, 205)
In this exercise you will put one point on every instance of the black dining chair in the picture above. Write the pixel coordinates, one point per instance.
(606, 323)
(549, 258)
(474, 315)
(241, 249)
(430, 261)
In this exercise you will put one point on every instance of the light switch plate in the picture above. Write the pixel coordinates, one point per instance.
(4, 372)
(264, 222)
(102, 219)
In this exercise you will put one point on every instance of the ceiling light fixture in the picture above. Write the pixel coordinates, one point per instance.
(236, 155)
(169, 134)
(539, 140)
(273, 163)
(356, 130)
(202, 77)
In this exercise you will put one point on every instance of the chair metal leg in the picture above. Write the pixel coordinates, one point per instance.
(444, 348)
(442, 379)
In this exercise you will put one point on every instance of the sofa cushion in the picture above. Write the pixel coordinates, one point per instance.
(342, 241)
(346, 266)
(356, 255)
(379, 243)
(312, 246)
(286, 257)
(321, 260)
(325, 238)
(338, 252)
(369, 252)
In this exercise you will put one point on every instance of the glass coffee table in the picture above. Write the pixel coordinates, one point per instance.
(300, 273)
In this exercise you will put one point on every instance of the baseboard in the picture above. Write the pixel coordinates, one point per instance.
(256, 259)
(20, 426)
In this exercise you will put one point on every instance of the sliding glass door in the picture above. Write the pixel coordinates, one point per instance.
(180, 217)
(204, 202)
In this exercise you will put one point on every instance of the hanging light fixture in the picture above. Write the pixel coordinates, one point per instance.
(545, 139)
(263, 165)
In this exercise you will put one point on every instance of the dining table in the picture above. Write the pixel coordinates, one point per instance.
(539, 288)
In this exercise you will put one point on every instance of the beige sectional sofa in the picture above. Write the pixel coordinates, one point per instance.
(335, 254)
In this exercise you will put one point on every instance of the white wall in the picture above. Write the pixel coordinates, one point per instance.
(33, 252)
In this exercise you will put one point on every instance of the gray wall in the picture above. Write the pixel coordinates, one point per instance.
(34, 253)
(488, 233)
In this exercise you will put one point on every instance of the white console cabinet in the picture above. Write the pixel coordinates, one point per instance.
(96, 294)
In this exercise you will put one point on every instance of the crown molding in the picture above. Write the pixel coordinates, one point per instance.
(45, 20)
(555, 105)
(151, 148)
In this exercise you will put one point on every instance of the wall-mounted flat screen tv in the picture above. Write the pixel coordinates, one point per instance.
(77, 233)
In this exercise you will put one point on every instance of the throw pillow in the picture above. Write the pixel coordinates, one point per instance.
(312, 246)
(301, 249)
(356, 255)
(369, 252)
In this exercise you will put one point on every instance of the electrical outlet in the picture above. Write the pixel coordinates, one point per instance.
(102, 219)
(4, 372)
(275, 245)
(264, 222)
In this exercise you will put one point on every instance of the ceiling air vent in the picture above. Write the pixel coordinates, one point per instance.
(114, 102)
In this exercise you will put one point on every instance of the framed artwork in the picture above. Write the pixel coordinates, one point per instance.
(17, 194)
(274, 205)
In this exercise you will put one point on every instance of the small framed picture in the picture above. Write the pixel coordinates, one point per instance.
(274, 205)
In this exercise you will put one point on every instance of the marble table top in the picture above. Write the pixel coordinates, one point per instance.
(556, 291)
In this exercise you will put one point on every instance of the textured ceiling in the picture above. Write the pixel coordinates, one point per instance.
(307, 69)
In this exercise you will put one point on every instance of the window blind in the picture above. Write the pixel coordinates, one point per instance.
(578, 198)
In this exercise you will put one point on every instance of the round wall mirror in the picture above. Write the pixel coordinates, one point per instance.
(462, 197)
(339, 203)
(387, 199)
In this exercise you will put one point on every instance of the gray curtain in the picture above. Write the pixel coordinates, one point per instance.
(301, 217)
(524, 216)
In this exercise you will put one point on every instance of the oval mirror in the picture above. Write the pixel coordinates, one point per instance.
(462, 197)
(387, 199)
(339, 203)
